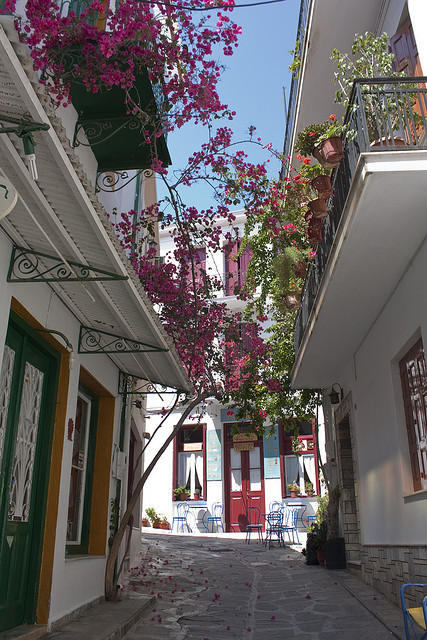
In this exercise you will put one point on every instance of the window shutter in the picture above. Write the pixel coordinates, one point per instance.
(414, 386)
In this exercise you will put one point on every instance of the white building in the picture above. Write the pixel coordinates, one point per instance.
(363, 320)
(204, 456)
(75, 325)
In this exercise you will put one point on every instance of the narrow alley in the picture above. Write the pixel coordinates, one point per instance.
(218, 588)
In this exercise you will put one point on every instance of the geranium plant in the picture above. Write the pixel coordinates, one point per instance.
(314, 134)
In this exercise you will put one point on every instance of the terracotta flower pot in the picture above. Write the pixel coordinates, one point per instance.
(156, 525)
(183, 496)
(318, 207)
(145, 522)
(300, 269)
(387, 144)
(323, 186)
(292, 301)
(314, 229)
(164, 525)
(321, 556)
(329, 152)
(294, 494)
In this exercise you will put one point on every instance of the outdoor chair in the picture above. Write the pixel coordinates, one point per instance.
(274, 506)
(253, 517)
(273, 529)
(181, 517)
(417, 615)
(289, 526)
(216, 517)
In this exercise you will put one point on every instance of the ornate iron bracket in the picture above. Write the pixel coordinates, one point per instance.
(95, 341)
(32, 266)
(126, 384)
(112, 181)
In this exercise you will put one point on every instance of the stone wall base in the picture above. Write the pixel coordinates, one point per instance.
(386, 568)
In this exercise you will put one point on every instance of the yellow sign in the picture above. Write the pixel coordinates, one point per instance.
(243, 446)
(192, 446)
(243, 437)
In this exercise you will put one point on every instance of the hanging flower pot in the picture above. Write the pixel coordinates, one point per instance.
(292, 301)
(323, 186)
(300, 269)
(314, 229)
(329, 152)
(318, 207)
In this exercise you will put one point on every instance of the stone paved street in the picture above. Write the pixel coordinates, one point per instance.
(218, 588)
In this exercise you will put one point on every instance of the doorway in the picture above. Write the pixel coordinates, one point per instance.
(28, 385)
(244, 484)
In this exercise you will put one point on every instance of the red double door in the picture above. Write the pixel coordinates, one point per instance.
(244, 472)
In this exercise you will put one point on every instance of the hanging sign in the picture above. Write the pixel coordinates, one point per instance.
(243, 446)
(245, 437)
(8, 197)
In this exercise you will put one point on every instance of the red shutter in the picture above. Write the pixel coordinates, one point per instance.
(231, 270)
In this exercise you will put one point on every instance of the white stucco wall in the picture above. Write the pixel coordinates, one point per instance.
(77, 580)
(390, 513)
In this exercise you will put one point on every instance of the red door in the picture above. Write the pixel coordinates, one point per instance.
(245, 480)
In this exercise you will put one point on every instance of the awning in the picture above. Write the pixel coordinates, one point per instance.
(60, 215)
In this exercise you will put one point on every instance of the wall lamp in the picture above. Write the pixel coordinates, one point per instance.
(335, 397)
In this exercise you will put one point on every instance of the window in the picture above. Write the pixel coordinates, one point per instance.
(82, 466)
(414, 386)
(238, 344)
(300, 470)
(236, 268)
(190, 459)
(199, 260)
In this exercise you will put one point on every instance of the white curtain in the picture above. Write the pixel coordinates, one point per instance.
(308, 462)
(184, 468)
(292, 469)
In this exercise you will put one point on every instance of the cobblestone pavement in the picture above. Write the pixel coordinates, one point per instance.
(222, 588)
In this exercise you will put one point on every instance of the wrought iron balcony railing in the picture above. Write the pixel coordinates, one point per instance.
(384, 114)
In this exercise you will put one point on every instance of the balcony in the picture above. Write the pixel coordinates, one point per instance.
(104, 122)
(376, 223)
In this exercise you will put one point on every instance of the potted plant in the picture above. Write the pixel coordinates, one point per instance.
(180, 493)
(317, 537)
(145, 522)
(317, 176)
(164, 523)
(370, 58)
(196, 494)
(154, 517)
(309, 489)
(323, 141)
(314, 229)
(294, 489)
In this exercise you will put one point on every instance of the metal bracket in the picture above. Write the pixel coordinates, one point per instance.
(95, 341)
(32, 266)
(126, 383)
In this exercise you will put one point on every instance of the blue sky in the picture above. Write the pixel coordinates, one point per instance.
(252, 85)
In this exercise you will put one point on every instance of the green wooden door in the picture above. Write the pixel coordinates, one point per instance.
(27, 402)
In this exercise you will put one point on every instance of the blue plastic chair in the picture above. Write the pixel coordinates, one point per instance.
(216, 517)
(181, 517)
(273, 528)
(290, 518)
(412, 615)
(253, 517)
